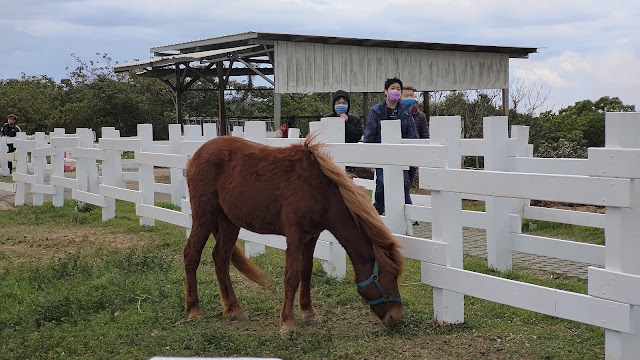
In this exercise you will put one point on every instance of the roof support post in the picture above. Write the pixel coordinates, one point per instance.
(365, 105)
(222, 84)
(505, 101)
(179, 90)
(277, 110)
(425, 106)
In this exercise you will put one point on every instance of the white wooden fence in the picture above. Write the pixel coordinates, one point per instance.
(609, 177)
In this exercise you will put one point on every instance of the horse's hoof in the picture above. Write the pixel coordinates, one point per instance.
(240, 316)
(312, 319)
(196, 315)
(287, 334)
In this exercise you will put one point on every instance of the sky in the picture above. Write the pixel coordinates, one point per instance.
(586, 49)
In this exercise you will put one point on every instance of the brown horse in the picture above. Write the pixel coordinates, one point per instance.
(298, 192)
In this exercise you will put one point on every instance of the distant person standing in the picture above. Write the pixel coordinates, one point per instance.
(341, 104)
(390, 109)
(10, 129)
(420, 118)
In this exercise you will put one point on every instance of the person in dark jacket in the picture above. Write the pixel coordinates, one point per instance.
(341, 103)
(409, 99)
(390, 109)
(10, 129)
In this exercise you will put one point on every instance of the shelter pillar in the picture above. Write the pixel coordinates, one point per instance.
(505, 101)
(277, 110)
(222, 84)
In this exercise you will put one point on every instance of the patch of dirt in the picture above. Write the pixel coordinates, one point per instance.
(22, 244)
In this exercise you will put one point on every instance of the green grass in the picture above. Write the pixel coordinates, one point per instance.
(128, 303)
(563, 231)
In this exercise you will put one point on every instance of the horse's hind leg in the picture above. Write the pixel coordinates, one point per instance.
(306, 305)
(222, 251)
(200, 231)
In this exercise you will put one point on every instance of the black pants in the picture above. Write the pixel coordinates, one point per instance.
(11, 149)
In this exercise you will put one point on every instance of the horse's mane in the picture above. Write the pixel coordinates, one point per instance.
(385, 247)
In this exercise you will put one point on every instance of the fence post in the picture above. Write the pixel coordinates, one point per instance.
(177, 179)
(57, 166)
(145, 172)
(331, 131)
(393, 179)
(255, 131)
(111, 172)
(622, 235)
(20, 167)
(4, 164)
(39, 163)
(498, 209)
(448, 306)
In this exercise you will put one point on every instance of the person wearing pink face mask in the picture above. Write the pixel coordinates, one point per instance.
(390, 109)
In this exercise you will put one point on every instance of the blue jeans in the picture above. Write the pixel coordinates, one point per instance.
(379, 192)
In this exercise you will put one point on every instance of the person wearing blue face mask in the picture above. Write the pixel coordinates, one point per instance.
(390, 109)
(420, 119)
(341, 103)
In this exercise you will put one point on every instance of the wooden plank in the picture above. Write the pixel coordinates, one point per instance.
(612, 285)
(130, 176)
(418, 213)
(126, 144)
(623, 163)
(563, 188)
(580, 218)
(68, 183)
(365, 183)
(472, 147)
(474, 219)
(423, 249)
(42, 189)
(169, 216)
(190, 147)
(120, 193)
(548, 166)
(282, 142)
(165, 160)
(578, 307)
(91, 198)
(560, 249)
(322, 250)
(10, 187)
(162, 188)
(46, 151)
(87, 153)
(389, 154)
(27, 145)
(67, 141)
(29, 179)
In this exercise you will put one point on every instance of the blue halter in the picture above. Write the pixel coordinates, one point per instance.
(374, 279)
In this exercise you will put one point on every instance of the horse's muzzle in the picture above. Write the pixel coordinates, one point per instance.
(392, 318)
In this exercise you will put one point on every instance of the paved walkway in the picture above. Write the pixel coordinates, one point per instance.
(475, 243)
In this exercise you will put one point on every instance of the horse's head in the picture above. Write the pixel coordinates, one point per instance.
(381, 292)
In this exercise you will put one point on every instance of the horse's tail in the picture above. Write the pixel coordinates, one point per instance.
(247, 268)
(385, 247)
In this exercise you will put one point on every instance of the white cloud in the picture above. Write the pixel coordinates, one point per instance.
(573, 77)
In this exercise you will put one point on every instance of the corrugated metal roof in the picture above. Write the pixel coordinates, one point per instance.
(159, 61)
(255, 37)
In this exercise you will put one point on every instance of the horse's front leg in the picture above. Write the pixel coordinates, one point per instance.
(306, 305)
(291, 281)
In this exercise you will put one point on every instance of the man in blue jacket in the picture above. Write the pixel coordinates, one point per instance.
(390, 109)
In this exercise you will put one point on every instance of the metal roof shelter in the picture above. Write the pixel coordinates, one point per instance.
(311, 63)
